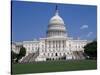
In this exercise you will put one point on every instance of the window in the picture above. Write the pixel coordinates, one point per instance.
(64, 54)
(48, 54)
(56, 54)
(44, 54)
(42, 46)
(69, 45)
(60, 54)
(52, 54)
(59, 44)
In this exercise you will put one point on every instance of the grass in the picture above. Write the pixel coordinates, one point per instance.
(54, 66)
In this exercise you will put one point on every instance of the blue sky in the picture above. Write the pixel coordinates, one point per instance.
(30, 20)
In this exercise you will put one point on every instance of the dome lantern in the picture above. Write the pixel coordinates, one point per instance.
(56, 10)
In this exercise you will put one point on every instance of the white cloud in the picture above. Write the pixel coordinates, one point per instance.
(84, 27)
(89, 34)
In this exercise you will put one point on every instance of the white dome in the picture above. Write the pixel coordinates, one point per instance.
(56, 26)
(56, 20)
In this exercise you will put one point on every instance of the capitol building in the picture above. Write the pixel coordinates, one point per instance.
(57, 45)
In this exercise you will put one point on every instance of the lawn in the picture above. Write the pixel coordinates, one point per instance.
(54, 66)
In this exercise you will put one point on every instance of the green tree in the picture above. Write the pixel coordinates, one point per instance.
(13, 56)
(91, 50)
(21, 54)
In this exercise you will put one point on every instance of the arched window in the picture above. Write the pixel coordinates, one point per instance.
(56, 54)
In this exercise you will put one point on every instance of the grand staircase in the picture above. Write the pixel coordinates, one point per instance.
(78, 55)
(30, 57)
(34, 57)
